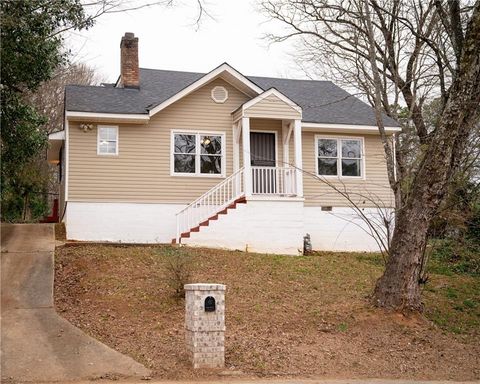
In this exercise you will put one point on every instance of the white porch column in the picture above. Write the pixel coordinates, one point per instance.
(246, 155)
(297, 140)
(287, 127)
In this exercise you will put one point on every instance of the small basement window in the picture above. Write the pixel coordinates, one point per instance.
(107, 140)
(198, 154)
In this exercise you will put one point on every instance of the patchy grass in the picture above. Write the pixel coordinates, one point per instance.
(286, 316)
(454, 303)
(450, 257)
(452, 298)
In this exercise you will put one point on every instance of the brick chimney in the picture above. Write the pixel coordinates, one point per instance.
(129, 73)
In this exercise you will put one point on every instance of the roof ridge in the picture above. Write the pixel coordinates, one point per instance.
(96, 86)
(248, 76)
(172, 70)
(289, 79)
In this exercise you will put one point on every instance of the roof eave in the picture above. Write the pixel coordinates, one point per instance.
(347, 128)
(100, 117)
(57, 136)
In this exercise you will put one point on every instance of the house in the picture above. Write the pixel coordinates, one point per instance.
(219, 159)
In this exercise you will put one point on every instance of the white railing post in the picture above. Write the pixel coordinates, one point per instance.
(246, 156)
(297, 139)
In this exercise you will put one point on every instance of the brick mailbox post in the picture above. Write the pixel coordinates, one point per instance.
(205, 324)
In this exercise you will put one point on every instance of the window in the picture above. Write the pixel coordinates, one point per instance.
(198, 154)
(107, 140)
(339, 157)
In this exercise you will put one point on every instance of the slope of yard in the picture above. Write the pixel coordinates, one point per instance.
(286, 316)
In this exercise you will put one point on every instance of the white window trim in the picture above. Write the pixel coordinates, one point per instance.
(197, 144)
(98, 140)
(339, 158)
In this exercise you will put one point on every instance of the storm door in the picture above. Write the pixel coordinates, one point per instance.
(263, 161)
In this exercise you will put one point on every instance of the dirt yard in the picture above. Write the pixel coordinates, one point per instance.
(286, 316)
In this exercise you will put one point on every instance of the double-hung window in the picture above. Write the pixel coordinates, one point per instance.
(198, 154)
(107, 139)
(342, 157)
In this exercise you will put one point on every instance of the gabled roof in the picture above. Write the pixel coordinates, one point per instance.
(229, 73)
(269, 92)
(321, 101)
(240, 111)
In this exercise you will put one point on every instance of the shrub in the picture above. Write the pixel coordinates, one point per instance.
(178, 270)
(473, 225)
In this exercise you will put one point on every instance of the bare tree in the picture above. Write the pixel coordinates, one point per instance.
(40, 177)
(97, 8)
(401, 53)
(48, 99)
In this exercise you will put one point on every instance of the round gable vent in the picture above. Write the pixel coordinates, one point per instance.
(219, 94)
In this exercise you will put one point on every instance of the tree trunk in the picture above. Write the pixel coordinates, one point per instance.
(26, 207)
(399, 287)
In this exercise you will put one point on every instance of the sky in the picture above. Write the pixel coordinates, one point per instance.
(169, 39)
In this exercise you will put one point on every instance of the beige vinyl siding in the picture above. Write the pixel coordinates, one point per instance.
(375, 186)
(237, 114)
(141, 171)
(272, 107)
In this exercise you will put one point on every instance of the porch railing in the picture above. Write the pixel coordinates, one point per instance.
(274, 181)
(211, 202)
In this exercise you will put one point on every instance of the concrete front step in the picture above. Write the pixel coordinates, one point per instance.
(265, 226)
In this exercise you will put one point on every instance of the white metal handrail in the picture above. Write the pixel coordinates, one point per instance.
(274, 181)
(211, 202)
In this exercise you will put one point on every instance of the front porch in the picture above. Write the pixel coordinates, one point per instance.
(267, 144)
(267, 163)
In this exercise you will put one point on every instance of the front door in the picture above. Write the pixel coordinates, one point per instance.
(263, 161)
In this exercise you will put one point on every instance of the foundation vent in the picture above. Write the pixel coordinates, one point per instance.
(219, 94)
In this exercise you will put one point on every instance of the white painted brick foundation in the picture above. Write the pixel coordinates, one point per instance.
(121, 222)
(205, 331)
(262, 225)
(341, 229)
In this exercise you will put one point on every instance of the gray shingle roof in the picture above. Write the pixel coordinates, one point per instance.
(321, 101)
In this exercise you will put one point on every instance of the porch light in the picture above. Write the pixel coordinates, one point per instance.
(85, 127)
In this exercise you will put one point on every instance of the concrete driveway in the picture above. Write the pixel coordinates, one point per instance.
(36, 343)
